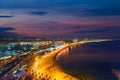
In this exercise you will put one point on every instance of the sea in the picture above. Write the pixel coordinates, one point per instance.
(92, 61)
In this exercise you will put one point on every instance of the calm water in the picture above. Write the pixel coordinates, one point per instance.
(92, 61)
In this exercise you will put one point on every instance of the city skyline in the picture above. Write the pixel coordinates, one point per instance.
(60, 19)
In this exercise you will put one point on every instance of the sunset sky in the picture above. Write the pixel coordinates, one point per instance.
(60, 18)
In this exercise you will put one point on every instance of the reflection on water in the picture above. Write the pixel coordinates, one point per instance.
(93, 61)
(64, 53)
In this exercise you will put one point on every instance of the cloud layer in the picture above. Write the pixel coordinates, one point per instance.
(4, 32)
(6, 16)
(38, 13)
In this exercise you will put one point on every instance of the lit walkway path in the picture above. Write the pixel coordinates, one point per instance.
(46, 68)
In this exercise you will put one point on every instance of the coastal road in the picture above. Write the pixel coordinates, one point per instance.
(5, 69)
